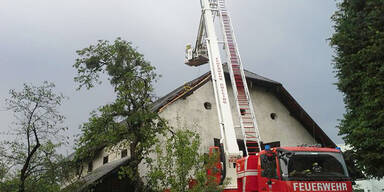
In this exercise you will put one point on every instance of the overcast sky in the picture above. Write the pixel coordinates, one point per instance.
(283, 40)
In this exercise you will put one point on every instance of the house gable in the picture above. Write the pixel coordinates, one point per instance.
(274, 90)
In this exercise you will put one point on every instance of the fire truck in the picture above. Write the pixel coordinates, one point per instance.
(304, 168)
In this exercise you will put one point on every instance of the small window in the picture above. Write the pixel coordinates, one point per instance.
(273, 116)
(242, 111)
(105, 159)
(90, 166)
(124, 153)
(207, 105)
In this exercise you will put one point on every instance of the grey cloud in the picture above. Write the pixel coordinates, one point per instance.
(282, 40)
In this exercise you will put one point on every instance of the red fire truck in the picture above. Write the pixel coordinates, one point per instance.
(293, 169)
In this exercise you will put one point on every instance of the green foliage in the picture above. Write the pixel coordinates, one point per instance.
(129, 117)
(181, 161)
(359, 65)
(29, 161)
(10, 185)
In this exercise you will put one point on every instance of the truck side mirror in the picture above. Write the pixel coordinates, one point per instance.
(268, 164)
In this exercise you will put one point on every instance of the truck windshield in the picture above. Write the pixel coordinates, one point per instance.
(312, 166)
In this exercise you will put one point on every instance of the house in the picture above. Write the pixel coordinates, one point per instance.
(281, 121)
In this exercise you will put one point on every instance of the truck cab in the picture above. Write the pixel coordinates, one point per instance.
(293, 169)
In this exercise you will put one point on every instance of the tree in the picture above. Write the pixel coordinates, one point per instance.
(129, 117)
(32, 156)
(359, 64)
(181, 163)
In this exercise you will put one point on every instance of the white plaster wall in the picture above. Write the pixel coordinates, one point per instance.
(112, 153)
(190, 113)
(96, 163)
(285, 128)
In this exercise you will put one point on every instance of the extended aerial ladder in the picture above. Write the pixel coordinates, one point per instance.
(270, 169)
(206, 50)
